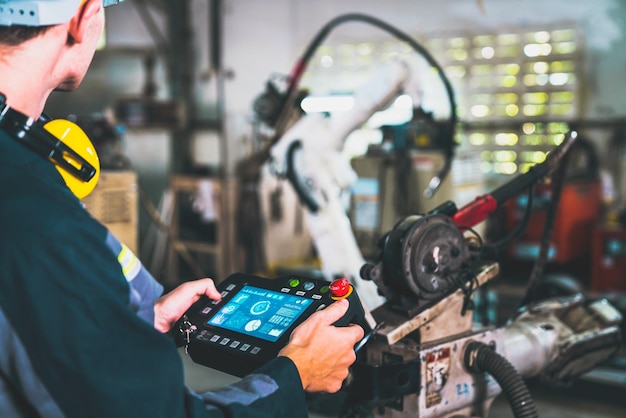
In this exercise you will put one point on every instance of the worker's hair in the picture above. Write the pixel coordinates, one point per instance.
(15, 35)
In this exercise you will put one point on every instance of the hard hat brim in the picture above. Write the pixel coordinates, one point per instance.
(37, 12)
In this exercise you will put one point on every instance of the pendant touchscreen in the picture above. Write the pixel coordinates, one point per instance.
(254, 319)
(260, 313)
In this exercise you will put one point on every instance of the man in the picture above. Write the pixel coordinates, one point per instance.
(77, 314)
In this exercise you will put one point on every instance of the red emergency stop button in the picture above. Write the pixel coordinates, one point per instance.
(340, 288)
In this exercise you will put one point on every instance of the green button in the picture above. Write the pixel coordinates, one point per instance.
(294, 282)
(324, 289)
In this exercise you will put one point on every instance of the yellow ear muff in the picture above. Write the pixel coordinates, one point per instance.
(75, 138)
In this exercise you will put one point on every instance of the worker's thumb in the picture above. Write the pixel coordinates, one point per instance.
(334, 311)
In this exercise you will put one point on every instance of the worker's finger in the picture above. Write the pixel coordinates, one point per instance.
(333, 312)
(171, 306)
(357, 331)
(193, 290)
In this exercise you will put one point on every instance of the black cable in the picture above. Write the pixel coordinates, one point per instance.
(310, 202)
(481, 358)
(323, 33)
(300, 68)
(521, 226)
(558, 179)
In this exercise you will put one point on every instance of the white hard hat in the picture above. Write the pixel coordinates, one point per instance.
(40, 12)
(37, 12)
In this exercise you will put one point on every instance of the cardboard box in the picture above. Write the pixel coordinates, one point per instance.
(114, 203)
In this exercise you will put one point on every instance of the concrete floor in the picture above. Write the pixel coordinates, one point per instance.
(584, 400)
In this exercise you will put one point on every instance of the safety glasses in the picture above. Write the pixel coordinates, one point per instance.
(107, 3)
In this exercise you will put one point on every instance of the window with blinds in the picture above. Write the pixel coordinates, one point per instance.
(516, 89)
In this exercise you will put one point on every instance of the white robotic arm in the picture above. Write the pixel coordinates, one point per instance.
(309, 155)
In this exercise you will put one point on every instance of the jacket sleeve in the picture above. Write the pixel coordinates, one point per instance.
(274, 390)
(144, 288)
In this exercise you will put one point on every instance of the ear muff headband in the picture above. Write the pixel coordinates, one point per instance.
(62, 142)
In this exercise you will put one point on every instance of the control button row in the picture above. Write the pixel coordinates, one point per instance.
(307, 286)
(225, 341)
(302, 293)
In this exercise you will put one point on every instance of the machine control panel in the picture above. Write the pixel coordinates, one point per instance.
(255, 317)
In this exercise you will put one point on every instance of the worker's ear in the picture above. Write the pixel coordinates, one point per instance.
(78, 26)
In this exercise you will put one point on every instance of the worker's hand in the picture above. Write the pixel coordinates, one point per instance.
(322, 353)
(170, 307)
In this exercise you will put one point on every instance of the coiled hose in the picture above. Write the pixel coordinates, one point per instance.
(480, 358)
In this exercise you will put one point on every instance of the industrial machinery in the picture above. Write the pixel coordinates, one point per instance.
(426, 357)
